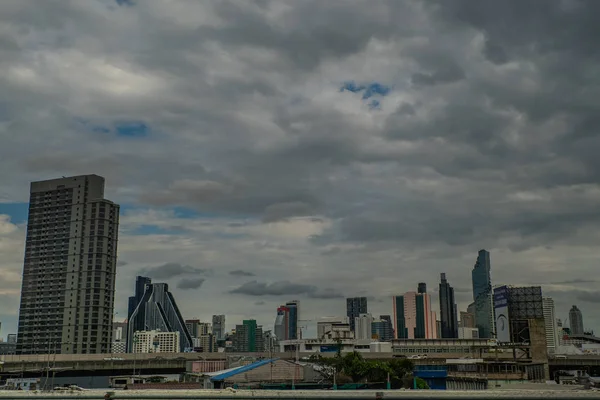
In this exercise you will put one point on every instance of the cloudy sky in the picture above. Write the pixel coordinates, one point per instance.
(265, 151)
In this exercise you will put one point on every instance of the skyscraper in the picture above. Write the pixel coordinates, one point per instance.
(67, 294)
(218, 322)
(382, 329)
(248, 337)
(576, 321)
(448, 317)
(364, 328)
(140, 289)
(282, 323)
(550, 324)
(294, 312)
(354, 307)
(157, 310)
(482, 295)
(413, 318)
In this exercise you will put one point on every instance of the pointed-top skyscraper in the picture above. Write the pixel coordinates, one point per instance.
(482, 295)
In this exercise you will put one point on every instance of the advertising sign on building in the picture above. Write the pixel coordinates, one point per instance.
(501, 311)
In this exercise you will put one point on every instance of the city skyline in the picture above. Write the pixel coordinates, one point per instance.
(312, 150)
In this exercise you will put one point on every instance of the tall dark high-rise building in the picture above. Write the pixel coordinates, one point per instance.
(482, 295)
(67, 294)
(140, 288)
(448, 317)
(294, 312)
(248, 337)
(422, 287)
(576, 321)
(354, 307)
(157, 310)
(218, 322)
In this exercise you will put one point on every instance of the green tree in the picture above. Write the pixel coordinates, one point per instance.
(421, 384)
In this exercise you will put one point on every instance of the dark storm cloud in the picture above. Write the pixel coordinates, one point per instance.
(590, 297)
(255, 288)
(239, 272)
(170, 270)
(186, 284)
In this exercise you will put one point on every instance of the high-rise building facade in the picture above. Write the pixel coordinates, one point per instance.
(155, 342)
(218, 323)
(282, 323)
(576, 321)
(354, 307)
(383, 329)
(197, 328)
(157, 310)
(467, 320)
(363, 327)
(550, 324)
(67, 294)
(294, 315)
(448, 317)
(412, 316)
(248, 337)
(482, 295)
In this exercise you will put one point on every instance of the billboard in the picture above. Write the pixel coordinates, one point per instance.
(501, 313)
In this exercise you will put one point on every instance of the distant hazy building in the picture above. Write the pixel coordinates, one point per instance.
(363, 326)
(327, 325)
(383, 328)
(119, 342)
(448, 317)
(248, 337)
(155, 342)
(218, 323)
(11, 338)
(67, 293)
(576, 321)
(206, 343)
(157, 311)
(354, 307)
(467, 320)
(282, 323)
(197, 328)
(482, 295)
(412, 316)
(294, 315)
(550, 324)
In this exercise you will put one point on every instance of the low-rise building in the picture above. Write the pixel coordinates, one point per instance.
(468, 333)
(325, 345)
(155, 342)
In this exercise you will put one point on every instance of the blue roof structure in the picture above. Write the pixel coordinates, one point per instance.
(245, 368)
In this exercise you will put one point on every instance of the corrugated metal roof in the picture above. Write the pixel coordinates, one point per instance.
(222, 375)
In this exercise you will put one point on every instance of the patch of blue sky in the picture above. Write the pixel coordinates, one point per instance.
(131, 129)
(374, 104)
(352, 86)
(17, 212)
(369, 91)
(376, 89)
